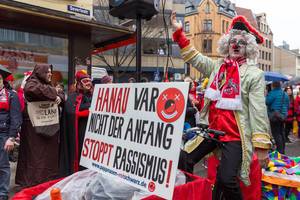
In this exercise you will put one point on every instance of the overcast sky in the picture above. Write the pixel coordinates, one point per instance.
(283, 16)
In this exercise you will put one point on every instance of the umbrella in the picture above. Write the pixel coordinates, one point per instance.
(275, 76)
(4, 72)
(294, 81)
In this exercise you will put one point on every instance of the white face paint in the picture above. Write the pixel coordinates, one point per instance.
(237, 47)
(86, 83)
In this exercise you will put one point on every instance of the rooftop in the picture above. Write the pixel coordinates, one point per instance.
(225, 6)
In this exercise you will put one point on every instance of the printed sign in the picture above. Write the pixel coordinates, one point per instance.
(43, 113)
(81, 8)
(134, 133)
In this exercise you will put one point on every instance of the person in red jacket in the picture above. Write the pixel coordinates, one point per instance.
(297, 110)
(288, 124)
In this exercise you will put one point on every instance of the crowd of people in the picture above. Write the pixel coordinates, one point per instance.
(234, 101)
(283, 112)
(50, 151)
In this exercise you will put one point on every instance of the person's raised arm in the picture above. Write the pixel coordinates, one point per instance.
(188, 52)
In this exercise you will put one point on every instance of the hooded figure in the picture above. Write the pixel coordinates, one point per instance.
(38, 155)
(75, 116)
(234, 103)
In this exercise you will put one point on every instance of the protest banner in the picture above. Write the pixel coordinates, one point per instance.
(134, 133)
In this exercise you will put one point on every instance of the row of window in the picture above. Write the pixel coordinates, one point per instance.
(263, 28)
(264, 67)
(7, 35)
(268, 44)
(192, 8)
(265, 55)
(207, 26)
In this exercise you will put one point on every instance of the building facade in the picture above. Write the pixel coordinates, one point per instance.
(265, 60)
(287, 61)
(259, 22)
(48, 33)
(205, 22)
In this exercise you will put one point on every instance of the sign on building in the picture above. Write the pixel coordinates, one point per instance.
(80, 8)
(134, 134)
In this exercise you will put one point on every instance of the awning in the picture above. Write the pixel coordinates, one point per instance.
(16, 15)
(114, 43)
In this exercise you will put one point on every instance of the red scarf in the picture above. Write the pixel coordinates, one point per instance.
(4, 99)
(226, 86)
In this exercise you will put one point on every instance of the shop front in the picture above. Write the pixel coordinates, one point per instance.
(61, 33)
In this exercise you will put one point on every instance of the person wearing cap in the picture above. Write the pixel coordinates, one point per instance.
(234, 104)
(10, 122)
(75, 116)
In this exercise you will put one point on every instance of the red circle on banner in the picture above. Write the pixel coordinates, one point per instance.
(151, 186)
(170, 105)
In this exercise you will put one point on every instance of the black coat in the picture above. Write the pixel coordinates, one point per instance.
(38, 155)
(68, 135)
(11, 120)
(190, 113)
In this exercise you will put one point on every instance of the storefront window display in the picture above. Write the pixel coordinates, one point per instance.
(21, 51)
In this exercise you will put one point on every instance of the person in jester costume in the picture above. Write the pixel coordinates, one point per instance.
(234, 103)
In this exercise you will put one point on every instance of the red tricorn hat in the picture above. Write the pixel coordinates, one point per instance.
(241, 23)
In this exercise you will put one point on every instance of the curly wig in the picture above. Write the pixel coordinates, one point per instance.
(251, 48)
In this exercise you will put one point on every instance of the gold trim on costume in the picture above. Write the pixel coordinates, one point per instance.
(244, 157)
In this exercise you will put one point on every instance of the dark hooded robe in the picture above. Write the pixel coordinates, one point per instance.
(75, 116)
(38, 155)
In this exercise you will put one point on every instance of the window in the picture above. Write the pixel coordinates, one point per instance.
(207, 46)
(263, 55)
(227, 25)
(270, 44)
(207, 8)
(223, 26)
(267, 43)
(207, 25)
(263, 67)
(270, 56)
(20, 36)
(259, 53)
(187, 27)
(20, 51)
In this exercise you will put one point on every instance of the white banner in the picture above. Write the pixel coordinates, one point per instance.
(134, 133)
(43, 113)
